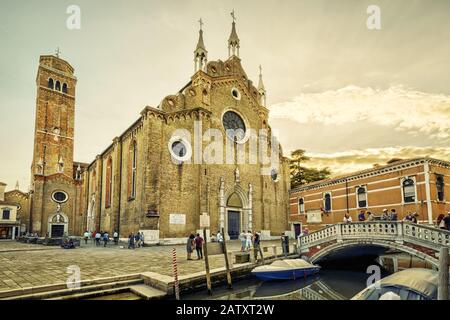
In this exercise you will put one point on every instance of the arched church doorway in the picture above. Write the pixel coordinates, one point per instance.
(58, 225)
(234, 221)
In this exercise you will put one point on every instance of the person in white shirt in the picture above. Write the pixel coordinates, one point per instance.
(243, 238)
(347, 218)
(86, 237)
(248, 242)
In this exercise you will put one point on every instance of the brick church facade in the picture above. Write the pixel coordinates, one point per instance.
(153, 177)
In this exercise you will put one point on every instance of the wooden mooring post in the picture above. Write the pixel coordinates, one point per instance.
(443, 274)
(205, 253)
(227, 264)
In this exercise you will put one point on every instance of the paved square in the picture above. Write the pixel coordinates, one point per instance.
(28, 265)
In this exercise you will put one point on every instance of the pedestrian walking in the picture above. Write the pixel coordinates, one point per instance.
(370, 216)
(248, 240)
(137, 239)
(408, 217)
(440, 223)
(131, 241)
(219, 239)
(385, 215)
(305, 232)
(347, 218)
(97, 238)
(199, 246)
(86, 237)
(285, 244)
(189, 246)
(105, 239)
(256, 245)
(414, 217)
(243, 239)
(361, 216)
(116, 238)
(447, 221)
(393, 215)
(142, 239)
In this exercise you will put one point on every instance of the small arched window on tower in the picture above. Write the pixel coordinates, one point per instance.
(58, 85)
(64, 88)
(440, 187)
(361, 193)
(108, 183)
(409, 190)
(50, 83)
(327, 202)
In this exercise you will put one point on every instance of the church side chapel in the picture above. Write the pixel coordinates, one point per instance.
(152, 178)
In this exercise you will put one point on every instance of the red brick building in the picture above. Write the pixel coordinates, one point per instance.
(416, 185)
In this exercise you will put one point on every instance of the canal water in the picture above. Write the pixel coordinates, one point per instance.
(338, 280)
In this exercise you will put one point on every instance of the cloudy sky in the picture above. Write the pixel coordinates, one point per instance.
(348, 95)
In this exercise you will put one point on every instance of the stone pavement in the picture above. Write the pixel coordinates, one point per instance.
(22, 265)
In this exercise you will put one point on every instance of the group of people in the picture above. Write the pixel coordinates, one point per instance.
(98, 236)
(136, 240)
(248, 240)
(442, 222)
(195, 241)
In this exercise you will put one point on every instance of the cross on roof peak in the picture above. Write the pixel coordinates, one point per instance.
(201, 23)
(233, 15)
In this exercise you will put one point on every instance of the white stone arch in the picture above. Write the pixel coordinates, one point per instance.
(58, 219)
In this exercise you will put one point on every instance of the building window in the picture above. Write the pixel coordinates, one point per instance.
(132, 167)
(327, 201)
(234, 126)
(64, 88)
(361, 193)
(301, 205)
(440, 187)
(180, 149)
(59, 196)
(108, 183)
(409, 190)
(6, 214)
(274, 174)
(50, 83)
(58, 86)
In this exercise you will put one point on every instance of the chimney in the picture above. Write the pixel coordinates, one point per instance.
(2, 191)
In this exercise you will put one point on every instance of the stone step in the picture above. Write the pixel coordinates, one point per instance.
(147, 292)
(74, 291)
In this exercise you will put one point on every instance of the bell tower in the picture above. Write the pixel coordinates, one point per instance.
(52, 169)
(55, 111)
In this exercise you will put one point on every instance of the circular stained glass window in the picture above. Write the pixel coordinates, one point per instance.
(234, 125)
(60, 196)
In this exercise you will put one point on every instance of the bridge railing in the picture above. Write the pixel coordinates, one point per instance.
(427, 236)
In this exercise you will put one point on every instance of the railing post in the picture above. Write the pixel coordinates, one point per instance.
(399, 235)
(339, 232)
(443, 274)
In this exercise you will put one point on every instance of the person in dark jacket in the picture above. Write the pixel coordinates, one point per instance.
(131, 241)
(199, 246)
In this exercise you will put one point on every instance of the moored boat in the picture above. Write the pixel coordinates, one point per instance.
(287, 269)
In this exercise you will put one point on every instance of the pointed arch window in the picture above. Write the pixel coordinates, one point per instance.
(50, 83)
(58, 86)
(327, 202)
(108, 183)
(132, 170)
(301, 205)
(64, 88)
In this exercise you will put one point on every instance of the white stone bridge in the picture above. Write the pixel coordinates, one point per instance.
(421, 241)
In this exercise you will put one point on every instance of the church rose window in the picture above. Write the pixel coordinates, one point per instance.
(59, 196)
(234, 125)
